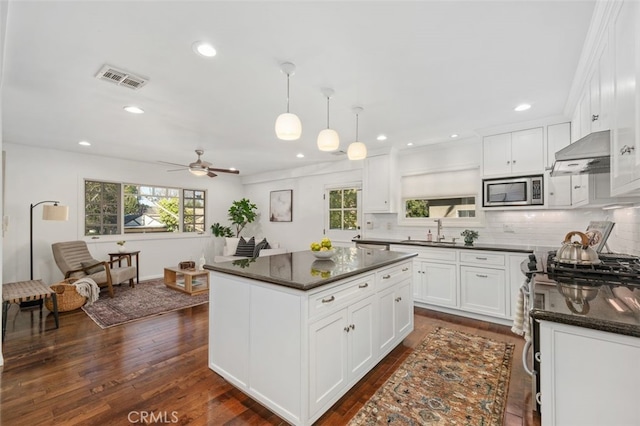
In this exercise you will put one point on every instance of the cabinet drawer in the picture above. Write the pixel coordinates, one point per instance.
(393, 275)
(429, 254)
(336, 297)
(480, 258)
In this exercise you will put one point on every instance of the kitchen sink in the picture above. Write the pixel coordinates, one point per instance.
(430, 243)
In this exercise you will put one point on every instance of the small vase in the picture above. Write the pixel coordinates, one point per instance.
(468, 241)
(122, 249)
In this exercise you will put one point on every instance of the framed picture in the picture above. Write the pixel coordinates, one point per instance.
(598, 232)
(281, 206)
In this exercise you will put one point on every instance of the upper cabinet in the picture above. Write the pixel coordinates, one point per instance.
(624, 35)
(380, 184)
(515, 153)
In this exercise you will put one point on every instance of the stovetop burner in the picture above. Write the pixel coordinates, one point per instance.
(613, 269)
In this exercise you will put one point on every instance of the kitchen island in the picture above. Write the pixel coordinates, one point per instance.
(296, 333)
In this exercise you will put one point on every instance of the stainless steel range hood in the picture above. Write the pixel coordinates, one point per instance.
(589, 155)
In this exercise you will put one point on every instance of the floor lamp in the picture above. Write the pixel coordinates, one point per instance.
(49, 212)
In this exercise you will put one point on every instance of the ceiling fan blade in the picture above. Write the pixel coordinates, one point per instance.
(173, 164)
(211, 174)
(176, 170)
(223, 170)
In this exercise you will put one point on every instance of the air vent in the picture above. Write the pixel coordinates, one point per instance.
(120, 77)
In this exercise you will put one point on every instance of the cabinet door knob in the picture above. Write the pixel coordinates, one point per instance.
(346, 329)
(353, 326)
(328, 300)
(594, 117)
(398, 299)
(514, 161)
(508, 162)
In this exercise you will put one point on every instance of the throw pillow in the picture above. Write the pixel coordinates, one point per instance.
(245, 248)
(230, 245)
(92, 267)
(259, 246)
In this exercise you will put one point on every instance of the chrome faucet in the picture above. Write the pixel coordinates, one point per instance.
(439, 236)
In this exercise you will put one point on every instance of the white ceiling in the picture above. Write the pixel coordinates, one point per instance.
(421, 71)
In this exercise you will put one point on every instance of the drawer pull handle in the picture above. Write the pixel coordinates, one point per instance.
(481, 258)
(482, 276)
(405, 269)
(365, 285)
(386, 277)
(398, 299)
(329, 300)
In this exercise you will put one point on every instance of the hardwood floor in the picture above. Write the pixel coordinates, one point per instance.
(80, 374)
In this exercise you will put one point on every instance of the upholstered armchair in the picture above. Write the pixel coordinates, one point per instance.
(75, 261)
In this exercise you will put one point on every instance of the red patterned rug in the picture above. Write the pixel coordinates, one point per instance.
(451, 378)
(146, 299)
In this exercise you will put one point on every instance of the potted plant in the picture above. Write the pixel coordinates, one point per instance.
(221, 231)
(469, 236)
(121, 247)
(241, 213)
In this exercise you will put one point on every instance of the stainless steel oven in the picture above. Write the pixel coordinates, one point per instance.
(516, 191)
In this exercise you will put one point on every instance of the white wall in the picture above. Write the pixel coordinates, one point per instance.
(308, 185)
(3, 30)
(34, 175)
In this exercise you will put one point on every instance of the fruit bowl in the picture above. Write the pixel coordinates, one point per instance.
(324, 254)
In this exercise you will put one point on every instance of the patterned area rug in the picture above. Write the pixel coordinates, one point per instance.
(147, 299)
(452, 378)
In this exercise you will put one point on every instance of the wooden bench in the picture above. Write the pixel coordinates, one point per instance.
(26, 291)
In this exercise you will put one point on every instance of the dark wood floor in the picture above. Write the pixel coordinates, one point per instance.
(80, 374)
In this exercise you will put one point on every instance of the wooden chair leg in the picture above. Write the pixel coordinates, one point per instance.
(54, 299)
(132, 284)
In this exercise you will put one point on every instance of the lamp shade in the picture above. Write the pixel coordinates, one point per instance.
(198, 171)
(357, 151)
(55, 212)
(328, 140)
(288, 127)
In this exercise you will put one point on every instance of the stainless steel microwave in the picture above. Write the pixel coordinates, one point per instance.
(516, 191)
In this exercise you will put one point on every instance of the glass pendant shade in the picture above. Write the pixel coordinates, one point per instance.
(328, 140)
(288, 127)
(357, 151)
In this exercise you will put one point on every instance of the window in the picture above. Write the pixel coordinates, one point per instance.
(343, 209)
(439, 208)
(449, 195)
(343, 213)
(144, 209)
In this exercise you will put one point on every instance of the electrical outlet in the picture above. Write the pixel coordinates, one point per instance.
(508, 228)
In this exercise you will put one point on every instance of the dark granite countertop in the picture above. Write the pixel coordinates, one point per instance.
(615, 309)
(301, 270)
(457, 245)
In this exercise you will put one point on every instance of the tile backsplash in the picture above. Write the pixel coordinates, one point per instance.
(545, 228)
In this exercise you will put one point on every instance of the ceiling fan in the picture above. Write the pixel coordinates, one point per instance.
(200, 167)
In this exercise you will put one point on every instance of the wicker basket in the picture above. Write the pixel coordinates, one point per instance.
(68, 297)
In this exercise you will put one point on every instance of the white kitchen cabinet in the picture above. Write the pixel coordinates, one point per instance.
(515, 153)
(588, 377)
(625, 140)
(395, 307)
(341, 348)
(436, 283)
(483, 290)
(380, 184)
(558, 188)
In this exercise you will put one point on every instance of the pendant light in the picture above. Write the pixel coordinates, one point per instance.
(328, 139)
(357, 150)
(288, 126)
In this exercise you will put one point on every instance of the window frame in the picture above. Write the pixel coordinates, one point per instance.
(179, 233)
(345, 235)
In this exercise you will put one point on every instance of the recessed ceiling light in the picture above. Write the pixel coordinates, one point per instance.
(300, 155)
(84, 143)
(205, 49)
(133, 109)
(382, 137)
(454, 136)
(410, 144)
(522, 107)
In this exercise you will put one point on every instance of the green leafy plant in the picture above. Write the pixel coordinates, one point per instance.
(120, 243)
(241, 213)
(221, 231)
(469, 235)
